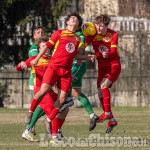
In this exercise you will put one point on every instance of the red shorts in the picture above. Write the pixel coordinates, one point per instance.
(48, 101)
(59, 74)
(109, 72)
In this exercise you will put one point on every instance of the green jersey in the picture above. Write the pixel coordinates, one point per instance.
(78, 71)
(82, 42)
(32, 52)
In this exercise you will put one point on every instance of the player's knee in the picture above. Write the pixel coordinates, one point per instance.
(76, 92)
(62, 100)
(76, 95)
(103, 85)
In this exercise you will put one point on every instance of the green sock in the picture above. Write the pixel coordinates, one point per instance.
(32, 94)
(85, 103)
(36, 115)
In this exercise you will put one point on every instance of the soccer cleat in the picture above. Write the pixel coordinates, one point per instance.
(54, 141)
(104, 117)
(93, 121)
(28, 117)
(67, 104)
(61, 137)
(29, 137)
(111, 125)
(33, 130)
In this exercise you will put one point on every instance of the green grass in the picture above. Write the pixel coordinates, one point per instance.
(132, 122)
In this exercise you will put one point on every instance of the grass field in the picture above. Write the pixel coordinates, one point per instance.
(132, 122)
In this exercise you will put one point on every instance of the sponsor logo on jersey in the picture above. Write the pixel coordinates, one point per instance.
(106, 39)
(70, 47)
(103, 49)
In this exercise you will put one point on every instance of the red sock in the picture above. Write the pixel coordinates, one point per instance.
(60, 122)
(54, 126)
(106, 99)
(112, 115)
(34, 104)
(53, 113)
(102, 103)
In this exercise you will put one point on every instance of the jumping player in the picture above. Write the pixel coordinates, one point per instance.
(66, 43)
(105, 44)
(79, 68)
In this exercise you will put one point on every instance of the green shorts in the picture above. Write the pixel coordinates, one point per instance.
(77, 73)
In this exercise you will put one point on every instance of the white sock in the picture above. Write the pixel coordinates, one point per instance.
(108, 113)
(30, 111)
(58, 130)
(112, 119)
(91, 115)
(53, 137)
(48, 119)
(28, 130)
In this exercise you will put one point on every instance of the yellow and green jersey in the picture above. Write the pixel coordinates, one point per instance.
(32, 52)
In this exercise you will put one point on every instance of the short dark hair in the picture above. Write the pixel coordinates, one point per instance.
(37, 27)
(74, 14)
(102, 19)
(39, 40)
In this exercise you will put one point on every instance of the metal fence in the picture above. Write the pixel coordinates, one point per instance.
(132, 87)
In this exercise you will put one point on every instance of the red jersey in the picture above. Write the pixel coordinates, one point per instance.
(65, 45)
(37, 71)
(107, 43)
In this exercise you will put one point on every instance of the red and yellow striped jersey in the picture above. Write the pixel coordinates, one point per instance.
(37, 71)
(65, 45)
(107, 43)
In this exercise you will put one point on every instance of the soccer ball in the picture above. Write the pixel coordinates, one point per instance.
(88, 29)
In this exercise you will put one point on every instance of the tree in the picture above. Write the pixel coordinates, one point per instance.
(15, 15)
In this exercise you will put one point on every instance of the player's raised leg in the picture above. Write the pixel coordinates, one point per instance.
(36, 100)
(68, 103)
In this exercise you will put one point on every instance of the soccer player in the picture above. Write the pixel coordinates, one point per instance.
(79, 67)
(33, 51)
(48, 100)
(105, 44)
(65, 44)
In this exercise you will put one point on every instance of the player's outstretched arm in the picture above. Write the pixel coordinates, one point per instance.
(21, 66)
(105, 54)
(87, 57)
